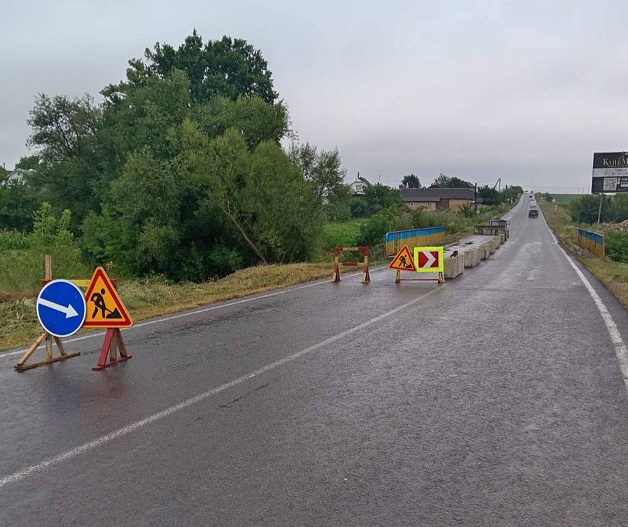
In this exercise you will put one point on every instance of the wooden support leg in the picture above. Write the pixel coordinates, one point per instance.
(111, 346)
(50, 358)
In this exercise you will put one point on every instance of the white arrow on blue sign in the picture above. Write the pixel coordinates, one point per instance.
(61, 308)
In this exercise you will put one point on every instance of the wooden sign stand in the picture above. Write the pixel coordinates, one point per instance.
(111, 346)
(21, 364)
(63, 355)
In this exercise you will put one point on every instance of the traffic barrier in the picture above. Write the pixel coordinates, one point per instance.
(454, 266)
(591, 242)
(425, 260)
(50, 335)
(62, 310)
(413, 238)
(472, 257)
(107, 311)
(500, 227)
(366, 278)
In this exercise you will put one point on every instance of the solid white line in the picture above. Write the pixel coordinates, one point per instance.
(196, 311)
(70, 454)
(616, 339)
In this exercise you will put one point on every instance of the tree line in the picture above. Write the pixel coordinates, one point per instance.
(179, 169)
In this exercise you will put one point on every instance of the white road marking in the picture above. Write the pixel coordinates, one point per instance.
(618, 342)
(70, 454)
(197, 311)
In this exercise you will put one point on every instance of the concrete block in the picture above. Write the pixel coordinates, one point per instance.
(485, 251)
(454, 266)
(471, 257)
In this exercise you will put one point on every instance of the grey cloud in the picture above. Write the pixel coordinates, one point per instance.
(525, 91)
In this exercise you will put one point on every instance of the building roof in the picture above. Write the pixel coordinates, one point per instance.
(17, 175)
(418, 194)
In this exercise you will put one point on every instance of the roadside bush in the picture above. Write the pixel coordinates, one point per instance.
(340, 235)
(13, 241)
(373, 231)
(616, 245)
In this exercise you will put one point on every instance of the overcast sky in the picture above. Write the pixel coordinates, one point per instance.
(520, 90)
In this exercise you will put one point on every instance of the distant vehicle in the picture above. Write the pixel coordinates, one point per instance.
(533, 213)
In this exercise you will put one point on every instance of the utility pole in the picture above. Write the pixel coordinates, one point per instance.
(475, 198)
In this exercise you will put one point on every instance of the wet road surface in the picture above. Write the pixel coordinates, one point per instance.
(493, 399)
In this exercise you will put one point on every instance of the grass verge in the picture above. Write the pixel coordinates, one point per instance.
(153, 297)
(613, 275)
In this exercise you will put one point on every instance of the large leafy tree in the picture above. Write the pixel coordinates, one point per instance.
(410, 181)
(586, 209)
(17, 203)
(229, 68)
(28, 162)
(65, 135)
(489, 196)
(180, 170)
(379, 197)
(444, 181)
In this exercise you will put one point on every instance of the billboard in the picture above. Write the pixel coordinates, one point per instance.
(610, 172)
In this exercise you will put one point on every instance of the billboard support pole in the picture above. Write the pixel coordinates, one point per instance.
(599, 212)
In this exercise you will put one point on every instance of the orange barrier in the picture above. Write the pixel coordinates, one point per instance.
(365, 263)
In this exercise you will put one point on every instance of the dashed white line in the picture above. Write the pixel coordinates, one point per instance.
(70, 454)
(194, 312)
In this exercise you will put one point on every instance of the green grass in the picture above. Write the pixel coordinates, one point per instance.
(565, 199)
(154, 297)
(21, 272)
(613, 275)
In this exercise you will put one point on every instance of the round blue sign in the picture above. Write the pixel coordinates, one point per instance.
(61, 308)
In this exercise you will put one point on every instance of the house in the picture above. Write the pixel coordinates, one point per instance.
(437, 198)
(358, 186)
(16, 176)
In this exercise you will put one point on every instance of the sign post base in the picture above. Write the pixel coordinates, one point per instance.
(112, 344)
(50, 358)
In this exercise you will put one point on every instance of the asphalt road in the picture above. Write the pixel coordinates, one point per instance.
(496, 398)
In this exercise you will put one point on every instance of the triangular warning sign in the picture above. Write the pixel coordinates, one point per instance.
(403, 261)
(104, 307)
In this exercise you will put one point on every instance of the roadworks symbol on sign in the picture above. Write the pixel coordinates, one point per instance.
(104, 307)
(403, 261)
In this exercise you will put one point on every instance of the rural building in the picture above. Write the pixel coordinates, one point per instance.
(437, 198)
(358, 186)
(16, 176)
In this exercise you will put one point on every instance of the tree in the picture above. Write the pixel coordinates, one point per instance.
(262, 193)
(17, 204)
(586, 209)
(488, 195)
(511, 193)
(410, 181)
(64, 133)
(229, 68)
(28, 162)
(443, 181)
(379, 197)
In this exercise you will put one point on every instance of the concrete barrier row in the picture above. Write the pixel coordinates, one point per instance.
(469, 252)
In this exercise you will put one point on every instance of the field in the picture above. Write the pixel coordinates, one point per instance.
(564, 199)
